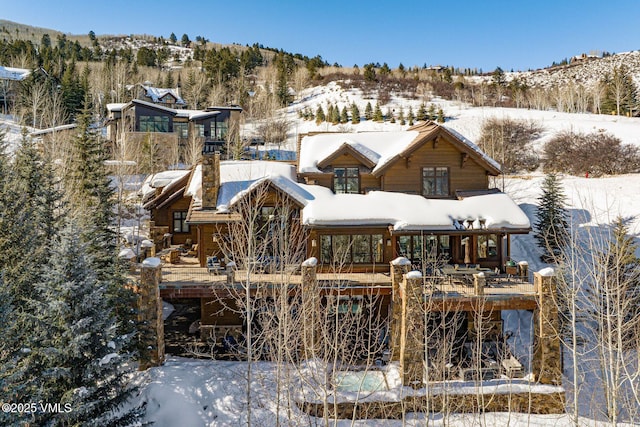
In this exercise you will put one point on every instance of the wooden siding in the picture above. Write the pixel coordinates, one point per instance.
(405, 175)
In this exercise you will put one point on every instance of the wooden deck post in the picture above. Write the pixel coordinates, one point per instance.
(412, 330)
(399, 267)
(547, 356)
(150, 315)
(310, 308)
(479, 282)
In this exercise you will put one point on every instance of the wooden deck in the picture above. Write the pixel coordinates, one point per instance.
(186, 279)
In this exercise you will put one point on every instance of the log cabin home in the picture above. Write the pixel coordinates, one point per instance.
(363, 199)
(360, 202)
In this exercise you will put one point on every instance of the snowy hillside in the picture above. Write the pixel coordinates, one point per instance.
(460, 117)
(586, 71)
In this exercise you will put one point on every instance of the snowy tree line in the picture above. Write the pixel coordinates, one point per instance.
(68, 318)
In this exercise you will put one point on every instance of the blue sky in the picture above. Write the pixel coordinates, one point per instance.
(518, 34)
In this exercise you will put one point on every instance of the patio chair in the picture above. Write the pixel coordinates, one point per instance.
(213, 265)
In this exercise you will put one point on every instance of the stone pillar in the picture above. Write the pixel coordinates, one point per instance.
(412, 330)
(479, 282)
(310, 308)
(547, 356)
(399, 267)
(229, 271)
(210, 180)
(151, 330)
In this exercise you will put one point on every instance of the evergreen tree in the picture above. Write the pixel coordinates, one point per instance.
(173, 39)
(377, 114)
(330, 113)
(320, 117)
(440, 118)
(368, 111)
(422, 113)
(335, 115)
(84, 361)
(87, 189)
(401, 116)
(344, 117)
(72, 90)
(551, 219)
(410, 116)
(355, 114)
(431, 112)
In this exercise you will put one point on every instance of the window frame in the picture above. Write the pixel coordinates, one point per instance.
(351, 248)
(346, 178)
(446, 180)
(181, 220)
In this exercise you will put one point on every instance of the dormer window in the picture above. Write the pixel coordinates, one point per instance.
(435, 181)
(346, 180)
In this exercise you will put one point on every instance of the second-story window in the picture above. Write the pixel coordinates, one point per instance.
(435, 181)
(346, 180)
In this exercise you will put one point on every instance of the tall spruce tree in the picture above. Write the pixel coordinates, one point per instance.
(88, 192)
(85, 360)
(551, 223)
(377, 114)
(320, 117)
(355, 114)
(344, 116)
(368, 111)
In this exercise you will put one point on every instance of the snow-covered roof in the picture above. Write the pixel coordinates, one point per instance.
(237, 177)
(161, 179)
(10, 73)
(410, 212)
(157, 93)
(116, 106)
(41, 132)
(403, 212)
(379, 147)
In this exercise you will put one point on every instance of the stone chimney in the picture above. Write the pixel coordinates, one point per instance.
(210, 179)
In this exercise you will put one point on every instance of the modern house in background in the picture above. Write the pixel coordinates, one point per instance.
(170, 129)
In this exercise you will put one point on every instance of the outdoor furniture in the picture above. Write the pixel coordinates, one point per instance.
(464, 274)
(213, 265)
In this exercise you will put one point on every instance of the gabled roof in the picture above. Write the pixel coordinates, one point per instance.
(167, 180)
(486, 211)
(158, 93)
(378, 147)
(357, 150)
(383, 148)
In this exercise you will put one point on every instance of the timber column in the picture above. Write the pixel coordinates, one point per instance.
(412, 330)
(150, 315)
(399, 267)
(310, 308)
(547, 356)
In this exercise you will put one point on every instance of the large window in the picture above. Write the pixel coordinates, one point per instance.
(351, 249)
(488, 246)
(154, 124)
(420, 248)
(182, 129)
(179, 222)
(346, 180)
(219, 130)
(435, 181)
